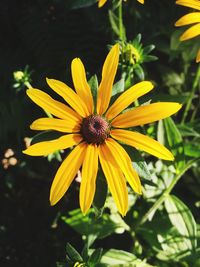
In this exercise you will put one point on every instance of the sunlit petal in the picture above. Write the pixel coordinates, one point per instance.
(191, 32)
(66, 126)
(47, 147)
(108, 76)
(129, 96)
(141, 1)
(115, 179)
(101, 3)
(146, 114)
(80, 83)
(124, 162)
(190, 18)
(88, 181)
(52, 106)
(66, 173)
(189, 3)
(69, 96)
(142, 142)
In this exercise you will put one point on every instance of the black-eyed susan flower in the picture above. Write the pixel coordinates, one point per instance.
(191, 18)
(102, 2)
(94, 134)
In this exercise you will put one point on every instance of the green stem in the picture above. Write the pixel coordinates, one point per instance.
(194, 87)
(195, 111)
(27, 84)
(165, 194)
(121, 28)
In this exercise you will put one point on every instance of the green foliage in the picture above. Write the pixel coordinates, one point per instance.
(182, 218)
(175, 142)
(100, 194)
(114, 257)
(98, 227)
(93, 82)
(139, 164)
(118, 87)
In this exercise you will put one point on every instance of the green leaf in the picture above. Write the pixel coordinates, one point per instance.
(73, 253)
(115, 257)
(55, 155)
(100, 193)
(114, 21)
(137, 39)
(175, 143)
(139, 163)
(48, 136)
(95, 257)
(149, 58)
(147, 49)
(45, 136)
(192, 149)
(174, 42)
(76, 4)
(170, 98)
(93, 82)
(174, 246)
(182, 218)
(161, 132)
(118, 87)
(190, 129)
(139, 72)
(89, 225)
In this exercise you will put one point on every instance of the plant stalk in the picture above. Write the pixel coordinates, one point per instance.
(120, 16)
(194, 87)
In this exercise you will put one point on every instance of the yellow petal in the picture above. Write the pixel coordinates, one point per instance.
(66, 126)
(141, 1)
(48, 147)
(190, 18)
(142, 142)
(191, 32)
(129, 96)
(198, 57)
(189, 3)
(52, 106)
(101, 3)
(108, 76)
(146, 114)
(69, 96)
(115, 179)
(80, 83)
(66, 173)
(124, 162)
(88, 181)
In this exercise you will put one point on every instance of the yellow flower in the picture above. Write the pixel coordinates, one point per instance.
(191, 18)
(102, 2)
(94, 134)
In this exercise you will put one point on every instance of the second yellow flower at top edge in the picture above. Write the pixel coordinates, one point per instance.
(102, 2)
(188, 19)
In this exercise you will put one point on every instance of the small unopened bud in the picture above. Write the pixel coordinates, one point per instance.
(132, 54)
(18, 75)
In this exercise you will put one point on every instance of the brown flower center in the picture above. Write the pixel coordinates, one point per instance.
(95, 129)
